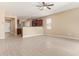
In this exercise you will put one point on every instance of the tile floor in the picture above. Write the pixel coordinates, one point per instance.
(38, 46)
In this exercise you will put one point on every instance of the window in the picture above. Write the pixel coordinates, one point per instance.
(49, 23)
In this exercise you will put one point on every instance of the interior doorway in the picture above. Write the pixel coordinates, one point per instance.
(9, 27)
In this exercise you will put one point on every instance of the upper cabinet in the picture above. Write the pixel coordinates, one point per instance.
(36, 22)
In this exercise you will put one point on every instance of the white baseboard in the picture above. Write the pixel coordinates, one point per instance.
(25, 36)
(63, 36)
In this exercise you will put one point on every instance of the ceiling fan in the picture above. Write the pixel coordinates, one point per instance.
(45, 5)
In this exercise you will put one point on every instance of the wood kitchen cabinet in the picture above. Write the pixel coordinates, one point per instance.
(19, 28)
(37, 22)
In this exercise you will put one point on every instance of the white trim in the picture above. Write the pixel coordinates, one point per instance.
(63, 36)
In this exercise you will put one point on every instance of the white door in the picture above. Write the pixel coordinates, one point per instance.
(7, 27)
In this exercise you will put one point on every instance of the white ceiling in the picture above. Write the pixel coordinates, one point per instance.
(29, 9)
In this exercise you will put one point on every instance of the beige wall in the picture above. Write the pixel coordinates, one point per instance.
(27, 22)
(2, 24)
(65, 23)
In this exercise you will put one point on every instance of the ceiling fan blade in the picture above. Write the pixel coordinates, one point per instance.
(49, 8)
(38, 6)
(43, 3)
(50, 5)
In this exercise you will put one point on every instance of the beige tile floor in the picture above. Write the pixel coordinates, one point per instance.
(38, 46)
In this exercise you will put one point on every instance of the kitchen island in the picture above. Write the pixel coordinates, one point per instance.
(32, 31)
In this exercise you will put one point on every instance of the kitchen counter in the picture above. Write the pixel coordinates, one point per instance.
(32, 31)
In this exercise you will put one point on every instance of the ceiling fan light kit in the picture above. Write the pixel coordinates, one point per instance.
(45, 6)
